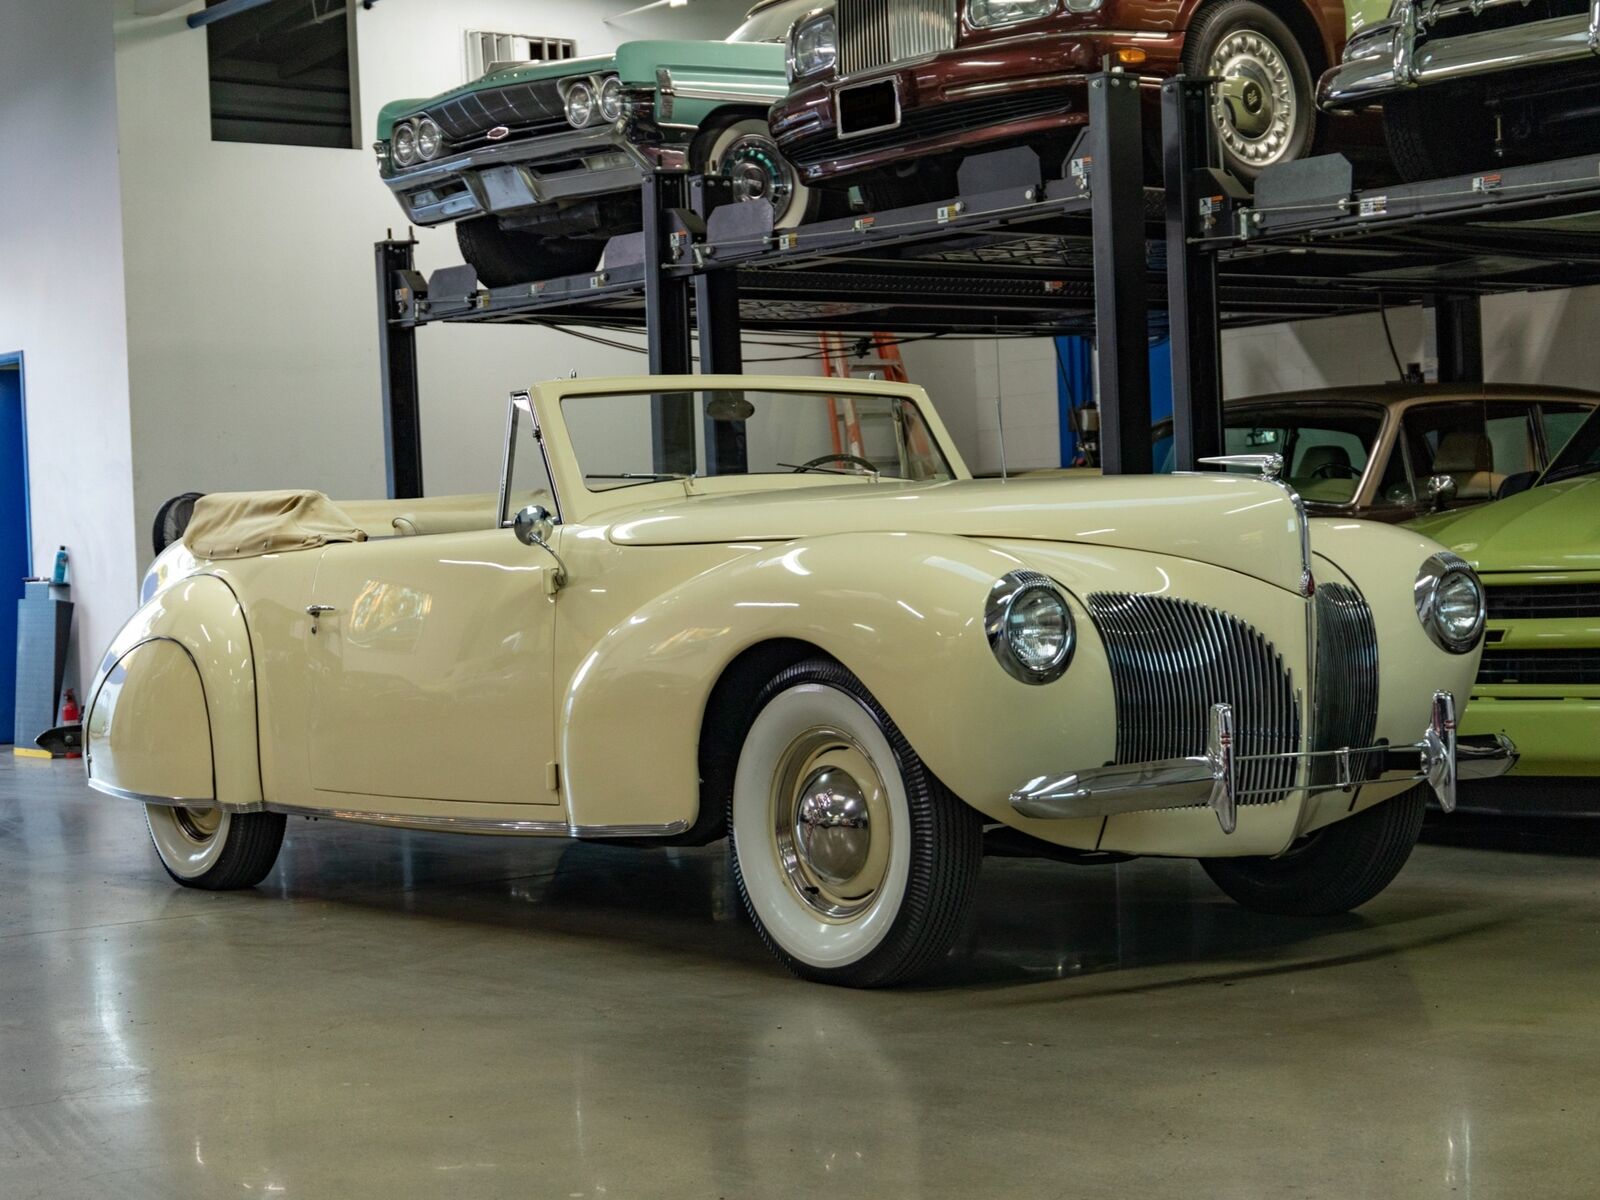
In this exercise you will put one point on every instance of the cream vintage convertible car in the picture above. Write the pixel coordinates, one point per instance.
(783, 611)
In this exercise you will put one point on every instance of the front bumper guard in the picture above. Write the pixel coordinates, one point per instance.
(528, 172)
(1440, 759)
(1397, 56)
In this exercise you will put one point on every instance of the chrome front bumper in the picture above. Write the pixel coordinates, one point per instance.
(1439, 759)
(1397, 56)
(517, 175)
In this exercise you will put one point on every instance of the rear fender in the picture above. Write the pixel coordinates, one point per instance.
(172, 711)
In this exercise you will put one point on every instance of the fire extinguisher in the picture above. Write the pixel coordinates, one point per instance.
(70, 715)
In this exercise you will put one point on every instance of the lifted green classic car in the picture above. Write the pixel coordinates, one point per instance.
(540, 163)
(1538, 553)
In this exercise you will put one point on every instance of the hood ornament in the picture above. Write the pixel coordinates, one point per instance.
(1270, 466)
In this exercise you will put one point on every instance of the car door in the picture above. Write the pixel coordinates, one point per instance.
(431, 669)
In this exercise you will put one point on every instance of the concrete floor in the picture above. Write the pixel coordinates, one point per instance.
(400, 1015)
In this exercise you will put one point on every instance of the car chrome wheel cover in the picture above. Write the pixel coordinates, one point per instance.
(752, 164)
(189, 840)
(821, 826)
(831, 829)
(1254, 108)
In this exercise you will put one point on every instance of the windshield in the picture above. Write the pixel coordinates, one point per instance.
(771, 23)
(1581, 456)
(624, 439)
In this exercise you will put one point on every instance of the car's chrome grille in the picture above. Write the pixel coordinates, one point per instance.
(876, 33)
(1346, 710)
(1171, 660)
(520, 107)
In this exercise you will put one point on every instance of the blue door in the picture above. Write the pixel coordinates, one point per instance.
(14, 554)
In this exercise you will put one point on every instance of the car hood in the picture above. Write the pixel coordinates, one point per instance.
(1241, 523)
(1555, 527)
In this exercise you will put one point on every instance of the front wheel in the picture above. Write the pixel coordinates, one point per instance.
(1333, 870)
(745, 154)
(857, 866)
(214, 850)
(1264, 109)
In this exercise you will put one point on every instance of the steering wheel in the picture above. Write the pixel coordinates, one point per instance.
(1329, 469)
(853, 459)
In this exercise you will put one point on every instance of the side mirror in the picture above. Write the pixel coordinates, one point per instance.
(1441, 488)
(1515, 485)
(533, 526)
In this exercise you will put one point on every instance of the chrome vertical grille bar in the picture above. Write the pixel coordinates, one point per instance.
(1346, 711)
(1171, 661)
(878, 33)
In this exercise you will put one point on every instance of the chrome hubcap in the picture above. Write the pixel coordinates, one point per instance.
(1254, 107)
(198, 824)
(831, 823)
(832, 827)
(758, 172)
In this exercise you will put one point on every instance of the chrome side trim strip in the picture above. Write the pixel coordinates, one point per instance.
(480, 825)
(107, 789)
(670, 829)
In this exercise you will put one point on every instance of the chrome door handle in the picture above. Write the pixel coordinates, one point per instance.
(316, 610)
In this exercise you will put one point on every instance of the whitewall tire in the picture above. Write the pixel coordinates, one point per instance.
(855, 864)
(212, 849)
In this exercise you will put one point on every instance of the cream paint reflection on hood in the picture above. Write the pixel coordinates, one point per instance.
(1238, 522)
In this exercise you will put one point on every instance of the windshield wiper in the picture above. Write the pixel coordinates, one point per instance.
(628, 479)
(820, 470)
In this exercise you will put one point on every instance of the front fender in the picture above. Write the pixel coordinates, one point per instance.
(172, 710)
(631, 716)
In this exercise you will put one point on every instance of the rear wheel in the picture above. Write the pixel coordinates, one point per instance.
(503, 257)
(857, 866)
(1264, 110)
(214, 850)
(1332, 870)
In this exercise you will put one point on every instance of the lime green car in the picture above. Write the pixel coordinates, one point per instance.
(1538, 553)
(539, 164)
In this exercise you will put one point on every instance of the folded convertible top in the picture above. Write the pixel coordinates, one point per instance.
(247, 524)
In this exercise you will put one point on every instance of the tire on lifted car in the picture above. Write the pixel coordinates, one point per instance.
(503, 257)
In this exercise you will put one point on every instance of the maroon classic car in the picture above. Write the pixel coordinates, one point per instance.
(888, 95)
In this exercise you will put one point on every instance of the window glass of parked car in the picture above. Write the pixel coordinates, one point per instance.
(1561, 421)
(1475, 444)
(1325, 448)
(747, 431)
(1580, 456)
(770, 22)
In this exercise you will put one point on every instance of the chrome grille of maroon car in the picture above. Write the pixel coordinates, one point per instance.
(1171, 660)
(876, 33)
(1346, 712)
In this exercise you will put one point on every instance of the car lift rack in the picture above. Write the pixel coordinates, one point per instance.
(1093, 252)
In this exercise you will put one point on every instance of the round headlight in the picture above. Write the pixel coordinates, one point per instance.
(813, 46)
(1030, 627)
(405, 144)
(429, 140)
(580, 105)
(1450, 603)
(611, 99)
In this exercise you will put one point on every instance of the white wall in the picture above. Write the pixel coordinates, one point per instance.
(252, 331)
(61, 298)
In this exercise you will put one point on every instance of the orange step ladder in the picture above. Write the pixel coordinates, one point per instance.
(873, 356)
